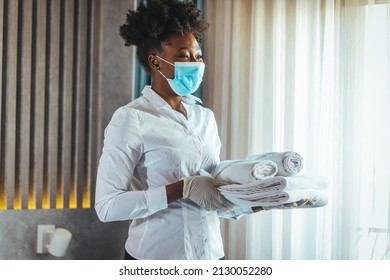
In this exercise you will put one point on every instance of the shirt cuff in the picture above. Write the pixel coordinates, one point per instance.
(241, 211)
(236, 213)
(157, 199)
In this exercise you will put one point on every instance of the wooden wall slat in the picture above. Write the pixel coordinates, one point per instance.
(79, 106)
(10, 114)
(67, 96)
(39, 110)
(53, 102)
(2, 104)
(96, 62)
(25, 106)
(59, 182)
(31, 169)
(46, 94)
(73, 92)
(85, 187)
(18, 92)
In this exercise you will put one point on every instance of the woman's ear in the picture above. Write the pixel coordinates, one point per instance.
(153, 62)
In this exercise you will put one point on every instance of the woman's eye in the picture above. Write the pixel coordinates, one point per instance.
(188, 56)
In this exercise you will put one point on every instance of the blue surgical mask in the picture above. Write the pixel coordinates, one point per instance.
(188, 76)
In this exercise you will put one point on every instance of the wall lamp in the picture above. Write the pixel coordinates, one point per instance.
(52, 240)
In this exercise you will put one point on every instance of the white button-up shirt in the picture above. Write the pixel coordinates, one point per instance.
(147, 146)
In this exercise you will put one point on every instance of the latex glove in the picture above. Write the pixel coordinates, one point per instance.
(203, 191)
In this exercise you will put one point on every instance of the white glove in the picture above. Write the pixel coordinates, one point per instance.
(203, 191)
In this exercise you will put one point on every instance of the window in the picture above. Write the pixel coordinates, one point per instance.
(375, 134)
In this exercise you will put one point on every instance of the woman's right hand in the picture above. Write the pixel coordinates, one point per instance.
(203, 191)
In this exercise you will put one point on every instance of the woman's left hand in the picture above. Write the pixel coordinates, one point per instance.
(286, 205)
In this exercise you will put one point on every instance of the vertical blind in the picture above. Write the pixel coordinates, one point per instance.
(49, 109)
(318, 77)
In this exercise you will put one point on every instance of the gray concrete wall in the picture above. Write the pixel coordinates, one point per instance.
(91, 238)
(118, 66)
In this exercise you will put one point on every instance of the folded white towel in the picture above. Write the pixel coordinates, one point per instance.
(244, 171)
(289, 163)
(317, 196)
(278, 190)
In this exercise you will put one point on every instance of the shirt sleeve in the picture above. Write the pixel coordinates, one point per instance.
(123, 148)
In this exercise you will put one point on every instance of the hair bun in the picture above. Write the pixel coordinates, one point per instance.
(151, 24)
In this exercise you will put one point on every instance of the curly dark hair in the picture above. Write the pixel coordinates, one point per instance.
(151, 24)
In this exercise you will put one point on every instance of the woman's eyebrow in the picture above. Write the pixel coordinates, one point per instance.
(187, 48)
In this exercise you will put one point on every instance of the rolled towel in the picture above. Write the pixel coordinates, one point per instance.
(244, 171)
(277, 191)
(289, 163)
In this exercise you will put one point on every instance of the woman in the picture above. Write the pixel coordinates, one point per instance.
(156, 146)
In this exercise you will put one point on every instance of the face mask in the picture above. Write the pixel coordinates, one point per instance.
(188, 76)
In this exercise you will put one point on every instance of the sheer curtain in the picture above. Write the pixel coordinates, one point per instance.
(313, 77)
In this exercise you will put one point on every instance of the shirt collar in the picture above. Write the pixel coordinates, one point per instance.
(159, 102)
(191, 99)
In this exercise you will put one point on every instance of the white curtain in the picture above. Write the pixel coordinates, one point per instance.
(313, 77)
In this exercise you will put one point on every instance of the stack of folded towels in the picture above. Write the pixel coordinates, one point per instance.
(270, 180)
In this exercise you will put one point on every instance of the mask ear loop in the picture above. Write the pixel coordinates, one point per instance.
(158, 69)
(161, 73)
(165, 60)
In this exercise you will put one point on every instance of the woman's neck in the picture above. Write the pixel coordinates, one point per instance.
(172, 99)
